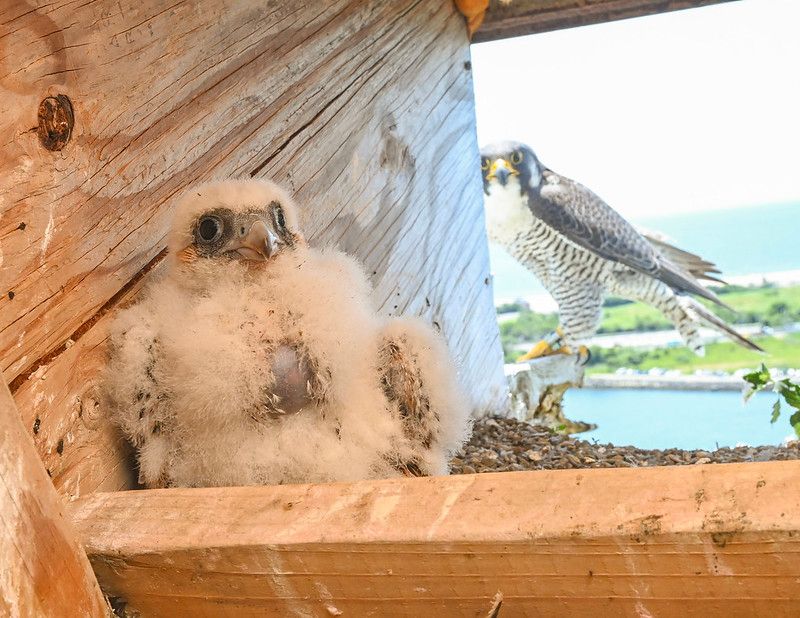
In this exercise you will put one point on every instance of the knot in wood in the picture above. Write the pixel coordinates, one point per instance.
(56, 120)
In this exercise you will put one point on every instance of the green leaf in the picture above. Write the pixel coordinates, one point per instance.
(794, 420)
(776, 411)
(790, 392)
(758, 379)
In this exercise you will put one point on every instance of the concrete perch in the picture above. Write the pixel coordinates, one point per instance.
(537, 391)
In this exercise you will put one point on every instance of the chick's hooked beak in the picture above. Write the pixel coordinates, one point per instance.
(259, 244)
(500, 170)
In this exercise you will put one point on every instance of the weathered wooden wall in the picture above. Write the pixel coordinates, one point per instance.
(43, 568)
(363, 109)
(708, 541)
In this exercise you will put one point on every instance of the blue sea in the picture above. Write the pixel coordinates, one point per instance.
(676, 419)
(741, 241)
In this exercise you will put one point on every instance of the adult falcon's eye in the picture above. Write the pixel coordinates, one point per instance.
(277, 213)
(484, 164)
(209, 229)
(516, 158)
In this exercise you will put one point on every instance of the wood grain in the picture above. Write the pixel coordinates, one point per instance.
(43, 570)
(364, 110)
(521, 17)
(714, 540)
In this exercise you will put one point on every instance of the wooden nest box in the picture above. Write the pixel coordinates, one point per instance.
(364, 110)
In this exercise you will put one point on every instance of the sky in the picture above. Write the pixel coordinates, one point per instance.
(685, 111)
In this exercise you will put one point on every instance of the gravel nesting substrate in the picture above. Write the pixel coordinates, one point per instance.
(504, 445)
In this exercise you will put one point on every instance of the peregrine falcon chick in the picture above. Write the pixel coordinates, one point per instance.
(255, 359)
(581, 249)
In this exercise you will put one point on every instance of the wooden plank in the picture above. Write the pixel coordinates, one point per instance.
(363, 109)
(714, 540)
(520, 17)
(43, 569)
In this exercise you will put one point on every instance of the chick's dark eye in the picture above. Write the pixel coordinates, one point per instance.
(516, 158)
(280, 219)
(209, 229)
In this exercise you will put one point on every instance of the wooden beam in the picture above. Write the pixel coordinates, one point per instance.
(520, 17)
(713, 540)
(43, 570)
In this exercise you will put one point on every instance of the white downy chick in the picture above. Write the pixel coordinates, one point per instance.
(257, 360)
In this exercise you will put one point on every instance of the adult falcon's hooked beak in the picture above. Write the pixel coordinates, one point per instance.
(259, 243)
(501, 170)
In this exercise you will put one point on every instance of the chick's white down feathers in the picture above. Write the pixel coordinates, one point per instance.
(194, 367)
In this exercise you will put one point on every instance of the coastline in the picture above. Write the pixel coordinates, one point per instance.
(555, 373)
(656, 382)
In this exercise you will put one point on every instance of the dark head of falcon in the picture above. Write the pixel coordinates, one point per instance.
(509, 165)
(246, 221)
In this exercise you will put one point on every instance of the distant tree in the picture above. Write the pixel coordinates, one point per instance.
(616, 301)
(517, 305)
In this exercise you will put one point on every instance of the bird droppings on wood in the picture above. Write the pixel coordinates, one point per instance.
(11, 295)
(22, 226)
(504, 445)
(60, 447)
(720, 539)
(36, 424)
(56, 120)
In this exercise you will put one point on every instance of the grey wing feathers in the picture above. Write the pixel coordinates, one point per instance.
(690, 262)
(583, 218)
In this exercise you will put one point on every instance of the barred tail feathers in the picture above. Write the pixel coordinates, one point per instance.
(703, 315)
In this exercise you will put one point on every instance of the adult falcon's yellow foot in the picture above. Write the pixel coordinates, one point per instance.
(543, 348)
(584, 355)
(546, 347)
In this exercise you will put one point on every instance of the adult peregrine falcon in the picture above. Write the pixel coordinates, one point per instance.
(581, 250)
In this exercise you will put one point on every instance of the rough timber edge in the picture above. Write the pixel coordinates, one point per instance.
(43, 569)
